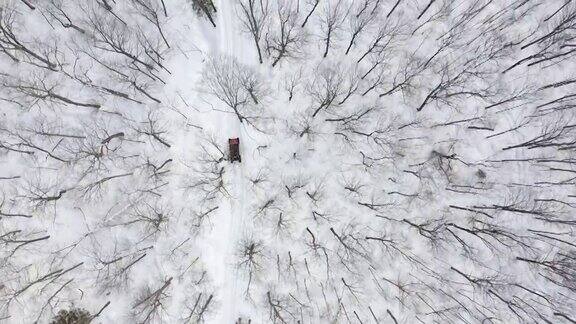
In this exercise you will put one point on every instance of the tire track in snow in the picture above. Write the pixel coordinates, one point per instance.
(234, 215)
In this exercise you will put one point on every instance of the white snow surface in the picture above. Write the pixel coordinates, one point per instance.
(424, 176)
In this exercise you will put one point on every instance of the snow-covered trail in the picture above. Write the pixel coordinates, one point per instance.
(233, 222)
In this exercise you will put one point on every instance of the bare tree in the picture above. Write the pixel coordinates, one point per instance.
(292, 83)
(455, 84)
(14, 47)
(151, 11)
(149, 306)
(152, 127)
(238, 87)
(141, 51)
(250, 256)
(207, 178)
(287, 39)
(41, 88)
(325, 88)
(315, 4)
(384, 39)
(113, 267)
(200, 308)
(360, 19)
(60, 12)
(279, 308)
(331, 23)
(254, 15)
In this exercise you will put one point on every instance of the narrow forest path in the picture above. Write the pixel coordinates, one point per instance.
(233, 212)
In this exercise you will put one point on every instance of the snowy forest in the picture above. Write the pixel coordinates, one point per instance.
(402, 161)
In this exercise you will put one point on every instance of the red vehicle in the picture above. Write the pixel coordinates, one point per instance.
(234, 150)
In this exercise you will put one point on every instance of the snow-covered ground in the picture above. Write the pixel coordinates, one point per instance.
(406, 161)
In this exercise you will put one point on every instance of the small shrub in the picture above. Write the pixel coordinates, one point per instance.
(73, 316)
(201, 5)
